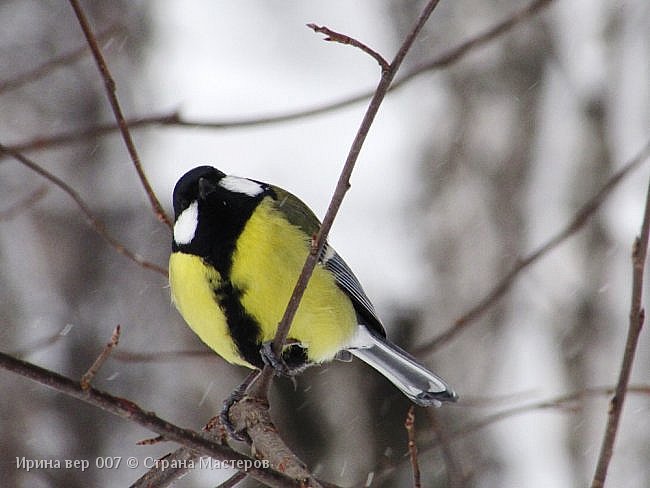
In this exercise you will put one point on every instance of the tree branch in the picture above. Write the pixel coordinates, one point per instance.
(344, 179)
(174, 119)
(110, 85)
(88, 377)
(252, 416)
(334, 36)
(128, 410)
(579, 220)
(409, 425)
(568, 402)
(637, 316)
(95, 222)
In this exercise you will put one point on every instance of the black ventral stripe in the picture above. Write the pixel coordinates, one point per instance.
(226, 217)
(245, 331)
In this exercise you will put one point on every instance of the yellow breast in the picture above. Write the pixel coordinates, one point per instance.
(192, 285)
(268, 259)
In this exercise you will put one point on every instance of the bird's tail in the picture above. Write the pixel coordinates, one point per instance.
(403, 370)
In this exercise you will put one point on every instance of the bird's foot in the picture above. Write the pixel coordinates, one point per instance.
(236, 396)
(291, 362)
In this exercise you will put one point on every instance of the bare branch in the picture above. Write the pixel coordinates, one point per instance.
(344, 179)
(252, 416)
(318, 241)
(151, 441)
(95, 222)
(109, 83)
(579, 220)
(87, 378)
(334, 36)
(570, 402)
(637, 316)
(128, 410)
(464, 48)
(409, 424)
(70, 137)
(176, 120)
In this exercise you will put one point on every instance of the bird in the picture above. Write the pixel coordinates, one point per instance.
(238, 248)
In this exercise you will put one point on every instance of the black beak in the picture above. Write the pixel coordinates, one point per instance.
(205, 188)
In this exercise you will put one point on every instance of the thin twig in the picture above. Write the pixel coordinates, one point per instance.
(89, 375)
(579, 220)
(565, 403)
(344, 179)
(334, 36)
(128, 410)
(95, 222)
(456, 53)
(176, 120)
(110, 85)
(53, 63)
(151, 441)
(70, 137)
(637, 316)
(409, 424)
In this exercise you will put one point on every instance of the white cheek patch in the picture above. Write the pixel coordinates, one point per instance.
(241, 185)
(186, 223)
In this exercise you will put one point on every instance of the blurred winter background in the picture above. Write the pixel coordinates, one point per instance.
(465, 171)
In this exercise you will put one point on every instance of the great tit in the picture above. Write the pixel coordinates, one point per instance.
(238, 248)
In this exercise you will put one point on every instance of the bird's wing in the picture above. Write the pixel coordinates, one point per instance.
(350, 284)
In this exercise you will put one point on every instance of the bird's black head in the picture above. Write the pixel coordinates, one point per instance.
(188, 188)
(211, 209)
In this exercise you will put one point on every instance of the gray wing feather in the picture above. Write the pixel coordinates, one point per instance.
(350, 285)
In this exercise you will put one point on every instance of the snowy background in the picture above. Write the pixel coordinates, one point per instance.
(466, 170)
